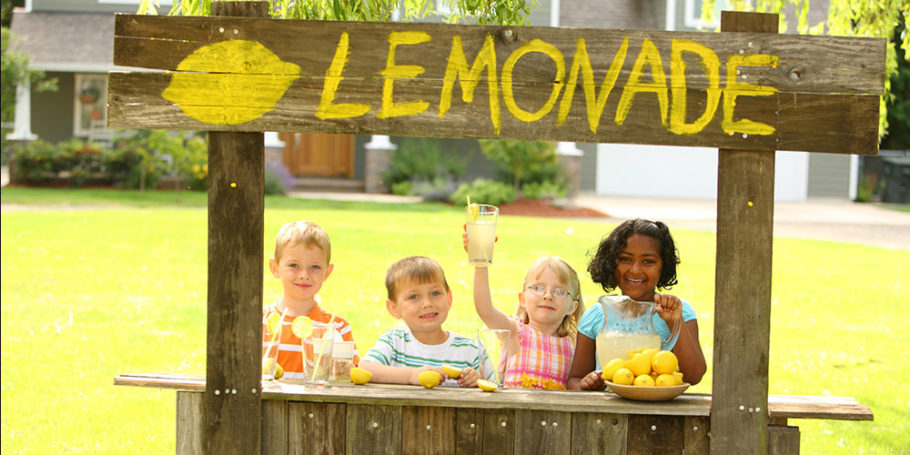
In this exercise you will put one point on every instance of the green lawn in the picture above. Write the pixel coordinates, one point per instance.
(121, 288)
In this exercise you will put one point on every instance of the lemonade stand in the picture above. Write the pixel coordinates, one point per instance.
(747, 91)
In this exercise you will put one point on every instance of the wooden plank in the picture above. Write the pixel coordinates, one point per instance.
(372, 429)
(316, 428)
(469, 431)
(232, 402)
(742, 305)
(599, 433)
(807, 64)
(499, 430)
(132, 105)
(274, 427)
(648, 435)
(542, 431)
(783, 440)
(689, 404)
(695, 434)
(189, 423)
(427, 430)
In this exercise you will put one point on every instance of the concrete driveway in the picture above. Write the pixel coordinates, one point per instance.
(822, 219)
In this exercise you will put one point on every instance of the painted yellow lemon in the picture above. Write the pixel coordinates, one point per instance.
(643, 380)
(664, 362)
(302, 326)
(611, 368)
(451, 371)
(360, 376)
(230, 82)
(623, 376)
(429, 379)
(486, 386)
(271, 323)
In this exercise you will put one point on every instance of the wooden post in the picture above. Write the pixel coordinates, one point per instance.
(742, 305)
(232, 403)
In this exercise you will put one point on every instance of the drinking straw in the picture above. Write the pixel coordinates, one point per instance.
(275, 335)
(330, 330)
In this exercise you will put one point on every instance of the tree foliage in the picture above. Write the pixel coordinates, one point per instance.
(870, 18)
(502, 12)
(520, 159)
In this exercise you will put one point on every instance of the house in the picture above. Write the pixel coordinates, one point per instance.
(71, 40)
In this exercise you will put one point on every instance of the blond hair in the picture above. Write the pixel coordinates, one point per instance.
(417, 269)
(567, 276)
(306, 233)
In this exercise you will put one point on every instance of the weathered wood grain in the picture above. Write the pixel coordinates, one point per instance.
(648, 435)
(469, 431)
(542, 431)
(783, 440)
(802, 122)
(274, 428)
(315, 428)
(189, 423)
(428, 430)
(232, 403)
(742, 305)
(599, 433)
(372, 429)
(499, 430)
(695, 434)
(808, 64)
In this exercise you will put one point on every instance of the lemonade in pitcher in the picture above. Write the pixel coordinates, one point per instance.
(628, 326)
(617, 345)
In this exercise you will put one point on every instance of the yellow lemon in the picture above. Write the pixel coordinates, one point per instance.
(230, 82)
(611, 367)
(623, 376)
(665, 380)
(429, 379)
(302, 326)
(643, 380)
(473, 211)
(486, 386)
(451, 371)
(679, 377)
(360, 376)
(630, 354)
(640, 364)
(271, 323)
(267, 364)
(650, 352)
(664, 362)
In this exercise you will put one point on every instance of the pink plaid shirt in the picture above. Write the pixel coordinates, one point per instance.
(542, 362)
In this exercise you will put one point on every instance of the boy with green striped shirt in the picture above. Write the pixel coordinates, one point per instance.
(419, 295)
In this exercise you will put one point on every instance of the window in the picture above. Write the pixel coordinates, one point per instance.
(90, 117)
(693, 14)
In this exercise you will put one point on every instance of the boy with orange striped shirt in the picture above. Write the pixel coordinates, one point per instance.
(302, 262)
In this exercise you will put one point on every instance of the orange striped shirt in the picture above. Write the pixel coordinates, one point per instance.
(290, 354)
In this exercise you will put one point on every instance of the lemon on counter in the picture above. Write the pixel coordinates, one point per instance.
(267, 364)
(360, 376)
(486, 386)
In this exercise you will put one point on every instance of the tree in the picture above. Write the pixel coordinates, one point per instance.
(870, 18)
(520, 158)
(502, 12)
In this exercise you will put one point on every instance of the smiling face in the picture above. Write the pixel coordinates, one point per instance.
(547, 301)
(302, 270)
(638, 267)
(423, 307)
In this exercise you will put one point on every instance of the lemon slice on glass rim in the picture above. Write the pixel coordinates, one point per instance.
(473, 210)
(272, 322)
(302, 326)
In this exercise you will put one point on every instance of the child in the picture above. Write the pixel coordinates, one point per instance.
(543, 329)
(419, 295)
(302, 262)
(639, 256)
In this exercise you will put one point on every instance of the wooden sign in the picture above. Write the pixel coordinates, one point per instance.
(731, 90)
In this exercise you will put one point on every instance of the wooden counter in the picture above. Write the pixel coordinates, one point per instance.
(376, 418)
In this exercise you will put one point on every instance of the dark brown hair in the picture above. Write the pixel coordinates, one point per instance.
(603, 265)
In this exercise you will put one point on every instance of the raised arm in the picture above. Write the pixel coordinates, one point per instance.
(491, 316)
(687, 349)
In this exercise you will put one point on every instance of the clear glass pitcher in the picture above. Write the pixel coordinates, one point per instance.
(629, 326)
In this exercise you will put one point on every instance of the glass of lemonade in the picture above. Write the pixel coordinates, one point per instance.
(317, 355)
(481, 227)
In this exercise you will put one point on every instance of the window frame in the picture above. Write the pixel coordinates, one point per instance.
(83, 81)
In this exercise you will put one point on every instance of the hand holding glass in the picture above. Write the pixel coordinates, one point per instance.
(481, 227)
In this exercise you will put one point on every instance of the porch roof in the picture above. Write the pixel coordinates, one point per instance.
(67, 42)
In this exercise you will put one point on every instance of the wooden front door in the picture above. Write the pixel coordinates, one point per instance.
(318, 154)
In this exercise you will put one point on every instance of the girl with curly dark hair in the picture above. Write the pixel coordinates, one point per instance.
(638, 257)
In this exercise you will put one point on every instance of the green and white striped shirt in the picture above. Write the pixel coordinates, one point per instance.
(399, 348)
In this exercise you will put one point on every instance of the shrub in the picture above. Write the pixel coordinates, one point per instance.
(523, 161)
(35, 162)
(484, 191)
(277, 179)
(438, 189)
(422, 159)
(547, 189)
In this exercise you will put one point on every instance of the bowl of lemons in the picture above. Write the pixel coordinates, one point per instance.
(647, 375)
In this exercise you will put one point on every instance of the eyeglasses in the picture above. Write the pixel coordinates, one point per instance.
(541, 290)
